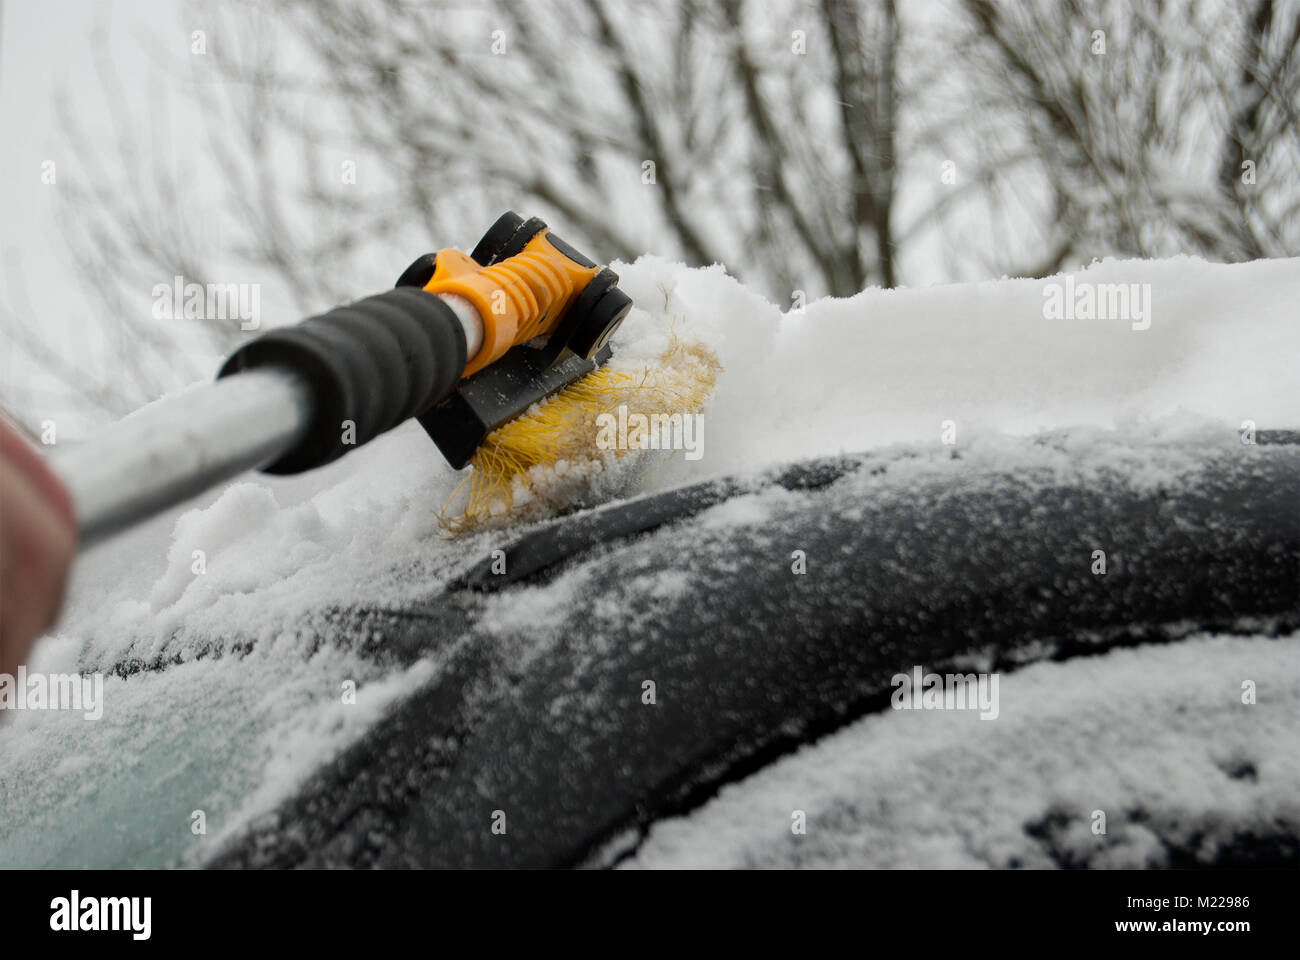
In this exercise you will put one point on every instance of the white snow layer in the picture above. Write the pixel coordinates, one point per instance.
(256, 564)
(1157, 739)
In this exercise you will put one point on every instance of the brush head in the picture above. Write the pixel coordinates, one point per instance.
(552, 459)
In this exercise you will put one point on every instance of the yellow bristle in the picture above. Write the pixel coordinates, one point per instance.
(557, 437)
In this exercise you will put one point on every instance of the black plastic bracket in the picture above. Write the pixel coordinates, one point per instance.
(496, 395)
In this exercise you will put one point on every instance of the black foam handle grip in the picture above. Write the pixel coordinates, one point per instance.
(376, 363)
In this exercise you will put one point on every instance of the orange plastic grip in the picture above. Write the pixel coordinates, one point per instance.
(518, 299)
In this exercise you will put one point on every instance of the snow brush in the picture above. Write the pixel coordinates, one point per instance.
(464, 344)
(545, 462)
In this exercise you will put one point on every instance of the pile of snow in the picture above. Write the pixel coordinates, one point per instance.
(256, 566)
(1221, 342)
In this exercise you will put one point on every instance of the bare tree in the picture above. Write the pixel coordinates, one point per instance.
(692, 129)
(794, 141)
(1152, 128)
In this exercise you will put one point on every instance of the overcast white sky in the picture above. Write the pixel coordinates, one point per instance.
(45, 47)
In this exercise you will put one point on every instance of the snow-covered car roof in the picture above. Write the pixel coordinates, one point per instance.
(307, 665)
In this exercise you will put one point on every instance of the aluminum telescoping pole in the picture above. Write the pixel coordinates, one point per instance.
(374, 363)
(176, 448)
